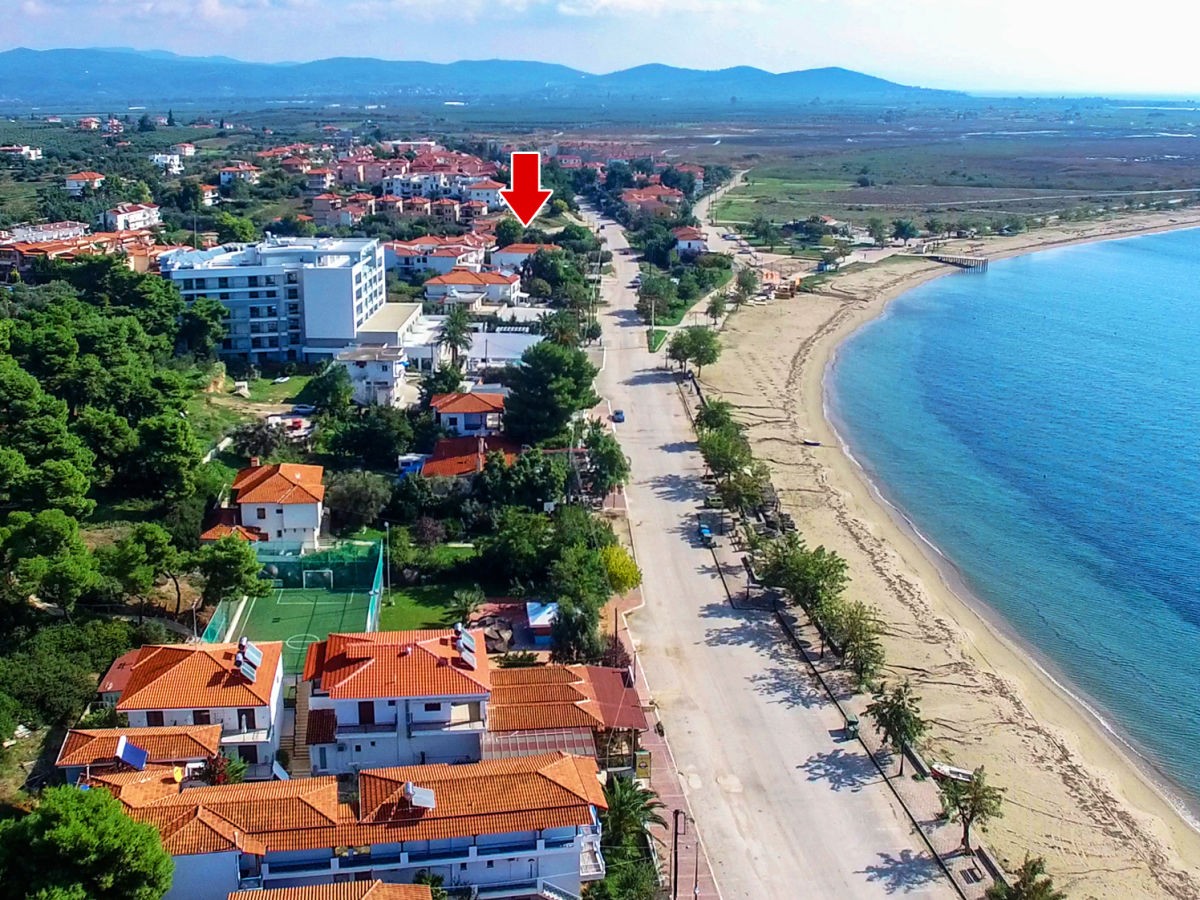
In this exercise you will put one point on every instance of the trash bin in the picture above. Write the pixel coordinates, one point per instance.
(851, 727)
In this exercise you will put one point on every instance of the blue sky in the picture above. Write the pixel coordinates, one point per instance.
(1068, 46)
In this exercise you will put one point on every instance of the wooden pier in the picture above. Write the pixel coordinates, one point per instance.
(971, 263)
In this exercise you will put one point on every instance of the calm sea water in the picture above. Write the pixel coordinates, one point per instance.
(1040, 424)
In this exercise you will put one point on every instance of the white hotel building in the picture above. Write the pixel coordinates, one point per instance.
(288, 298)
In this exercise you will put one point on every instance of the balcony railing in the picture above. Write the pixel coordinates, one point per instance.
(372, 728)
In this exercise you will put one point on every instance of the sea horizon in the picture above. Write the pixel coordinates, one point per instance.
(934, 443)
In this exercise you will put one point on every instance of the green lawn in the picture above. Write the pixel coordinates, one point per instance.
(421, 606)
(211, 419)
(655, 338)
(264, 390)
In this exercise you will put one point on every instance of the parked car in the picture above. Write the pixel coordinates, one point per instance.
(303, 409)
(618, 415)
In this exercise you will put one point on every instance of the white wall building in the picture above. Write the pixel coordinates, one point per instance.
(131, 217)
(77, 183)
(208, 684)
(474, 288)
(288, 298)
(377, 373)
(170, 163)
(513, 256)
(282, 502)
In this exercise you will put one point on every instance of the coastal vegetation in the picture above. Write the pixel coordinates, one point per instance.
(973, 803)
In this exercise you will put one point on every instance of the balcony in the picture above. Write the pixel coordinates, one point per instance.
(591, 863)
(246, 736)
(372, 728)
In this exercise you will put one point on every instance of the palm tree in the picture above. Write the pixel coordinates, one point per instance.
(455, 332)
(631, 810)
(897, 716)
(465, 602)
(434, 882)
(1030, 884)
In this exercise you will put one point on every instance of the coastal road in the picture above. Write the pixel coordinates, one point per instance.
(785, 810)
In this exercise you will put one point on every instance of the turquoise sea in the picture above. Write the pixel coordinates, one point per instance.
(1039, 424)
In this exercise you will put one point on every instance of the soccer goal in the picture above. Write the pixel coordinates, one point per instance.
(318, 579)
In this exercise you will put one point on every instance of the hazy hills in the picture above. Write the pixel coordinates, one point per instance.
(121, 77)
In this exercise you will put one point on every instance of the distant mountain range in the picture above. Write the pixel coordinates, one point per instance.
(122, 77)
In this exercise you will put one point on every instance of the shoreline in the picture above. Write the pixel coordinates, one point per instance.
(1152, 826)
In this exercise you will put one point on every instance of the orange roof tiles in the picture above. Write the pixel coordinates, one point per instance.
(92, 746)
(240, 531)
(486, 185)
(197, 676)
(529, 793)
(118, 673)
(529, 248)
(281, 483)
(473, 279)
(348, 890)
(455, 457)
(543, 697)
(84, 176)
(396, 664)
(461, 404)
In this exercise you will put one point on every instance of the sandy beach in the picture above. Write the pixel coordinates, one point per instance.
(1074, 794)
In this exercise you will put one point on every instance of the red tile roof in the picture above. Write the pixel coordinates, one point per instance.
(240, 531)
(456, 457)
(531, 793)
(84, 176)
(529, 248)
(461, 277)
(347, 890)
(197, 676)
(466, 403)
(95, 746)
(396, 664)
(118, 673)
(322, 727)
(542, 697)
(486, 185)
(281, 483)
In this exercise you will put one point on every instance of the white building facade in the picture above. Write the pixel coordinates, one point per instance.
(288, 298)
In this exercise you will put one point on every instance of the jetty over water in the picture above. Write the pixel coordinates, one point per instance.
(972, 263)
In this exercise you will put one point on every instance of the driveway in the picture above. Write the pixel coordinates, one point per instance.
(784, 808)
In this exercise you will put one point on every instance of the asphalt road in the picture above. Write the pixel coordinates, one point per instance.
(786, 810)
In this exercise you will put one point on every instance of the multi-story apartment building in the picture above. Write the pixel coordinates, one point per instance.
(236, 686)
(131, 217)
(288, 298)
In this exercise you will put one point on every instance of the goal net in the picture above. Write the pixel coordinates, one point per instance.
(318, 579)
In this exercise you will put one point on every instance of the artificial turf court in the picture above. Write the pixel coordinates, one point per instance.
(300, 616)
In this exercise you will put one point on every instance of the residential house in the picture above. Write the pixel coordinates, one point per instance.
(377, 373)
(418, 207)
(210, 195)
(690, 241)
(485, 191)
(652, 199)
(76, 184)
(569, 161)
(697, 172)
(319, 180)
(88, 750)
(114, 126)
(445, 210)
(115, 679)
(240, 171)
(212, 684)
(295, 165)
(471, 210)
(472, 289)
(46, 231)
(464, 457)
(288, 298)
(468, 413)
(20, 256)
(21, 151)
(88, 123)
(170, 163)
(131, 217)
(508, 828)
(514, 255)
(284, 501)
(433, 252)
(184, 149)
(496, 349)
(346, 890)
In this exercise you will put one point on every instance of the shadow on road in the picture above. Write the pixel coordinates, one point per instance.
(678, 446)
(842, 769)
(676, 487)
(649, 376)
(906, 872)
(784, 685)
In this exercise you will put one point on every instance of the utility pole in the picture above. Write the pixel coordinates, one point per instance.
(679, 813)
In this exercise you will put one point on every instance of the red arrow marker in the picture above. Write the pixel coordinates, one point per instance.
(526, 197)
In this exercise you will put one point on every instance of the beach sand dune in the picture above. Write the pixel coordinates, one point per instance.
(1073, 794)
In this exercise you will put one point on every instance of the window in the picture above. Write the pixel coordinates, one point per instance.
(366, 712)
(279, 510)
(201, 717)
(433, 707)
(278, 534)
(261, 512)
(154, 718)
(223, 283)
(491, 864)
(246, 720)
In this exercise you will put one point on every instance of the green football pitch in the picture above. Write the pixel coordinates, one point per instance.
(298, 617)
